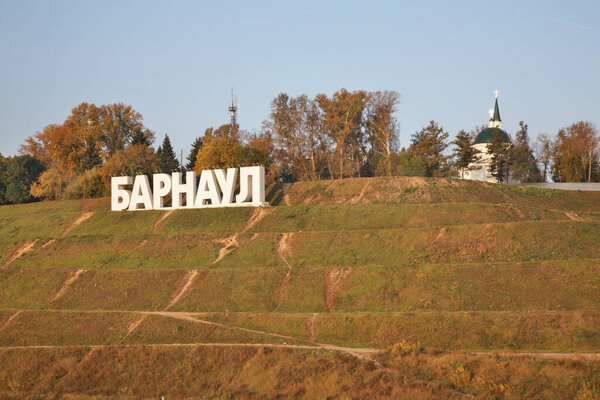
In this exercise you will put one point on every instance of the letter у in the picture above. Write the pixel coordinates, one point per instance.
(252, 185)
(227, 184)
(179, 189)
(141, 195)
(162, 187)
(119, 197)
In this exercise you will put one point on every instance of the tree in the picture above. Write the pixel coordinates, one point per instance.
(500, 156)
(383, 126)
(523, 164)
(543, 153)
(50, 185)
(410, 165)
(167, 160)
(430, 143)
(191, 158)
(17, 174)
(219, 152)
(137, 159)
(296, 128)
(343, 122)
(121, 125)
(575, 154)
(464, 151)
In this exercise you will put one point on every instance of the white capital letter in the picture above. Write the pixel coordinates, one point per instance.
(207, 189)
(119, 197)
(179, 189)
(227, 184)
(140, 193)
(162, 187)
(252, 177)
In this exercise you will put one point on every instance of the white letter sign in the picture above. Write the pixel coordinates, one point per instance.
(215, 189)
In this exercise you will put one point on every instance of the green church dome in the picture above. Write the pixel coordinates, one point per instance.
(487, 136)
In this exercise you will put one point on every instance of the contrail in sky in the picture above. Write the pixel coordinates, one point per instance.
(560, 21)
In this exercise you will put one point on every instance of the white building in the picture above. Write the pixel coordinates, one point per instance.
(479, 170)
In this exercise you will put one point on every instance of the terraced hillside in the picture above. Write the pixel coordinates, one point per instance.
(367, 287)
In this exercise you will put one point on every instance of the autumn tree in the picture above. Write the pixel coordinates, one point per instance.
(500, 161)
(167, 160)
(295, 125)
(344, 122)
(464, 152)
(219, 153)
(430, 144)
(137, 159)
(523, 164)
(121, 125)
(575, 154)
(382, 126)
(543, 153)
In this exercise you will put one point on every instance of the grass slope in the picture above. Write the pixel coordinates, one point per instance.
(416, 265)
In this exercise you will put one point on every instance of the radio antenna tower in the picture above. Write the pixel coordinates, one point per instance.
(233, 110)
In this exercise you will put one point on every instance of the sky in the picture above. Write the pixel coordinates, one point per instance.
(175, 62)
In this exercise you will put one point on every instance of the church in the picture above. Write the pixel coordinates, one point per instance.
(479, 169)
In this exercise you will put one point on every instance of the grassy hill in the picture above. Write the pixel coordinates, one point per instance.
(368, 287)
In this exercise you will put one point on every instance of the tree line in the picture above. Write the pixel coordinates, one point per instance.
(347, 134)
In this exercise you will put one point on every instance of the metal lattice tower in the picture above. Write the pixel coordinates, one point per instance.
(233, 110)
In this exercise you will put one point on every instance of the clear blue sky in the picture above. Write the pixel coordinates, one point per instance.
(176, 61)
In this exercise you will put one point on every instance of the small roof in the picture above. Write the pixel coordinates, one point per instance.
(487, 135)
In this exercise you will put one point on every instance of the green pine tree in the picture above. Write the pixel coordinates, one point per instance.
(501, 157)
(464, 151)
(191, 158)
(524, 165)
(430, 143)
(166, 157)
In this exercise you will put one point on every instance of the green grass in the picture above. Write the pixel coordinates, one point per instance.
(31, 290)
(234, 290)
(179, 251)
(337, 217)
(38, 328)
(122, 290)
(159, 329)
(41, 221)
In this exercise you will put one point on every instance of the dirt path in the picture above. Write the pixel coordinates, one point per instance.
(358, 352)
(66, 285)
(8, 321)
(229, 244)
(257, 216)
(161, 220)
(191, 275)
(574, 217)
(358, 199)
(333, 285)
(133, 327)
(282, 251)
(310, 326)
(82, 218)
(286, 193)
(27, 246)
